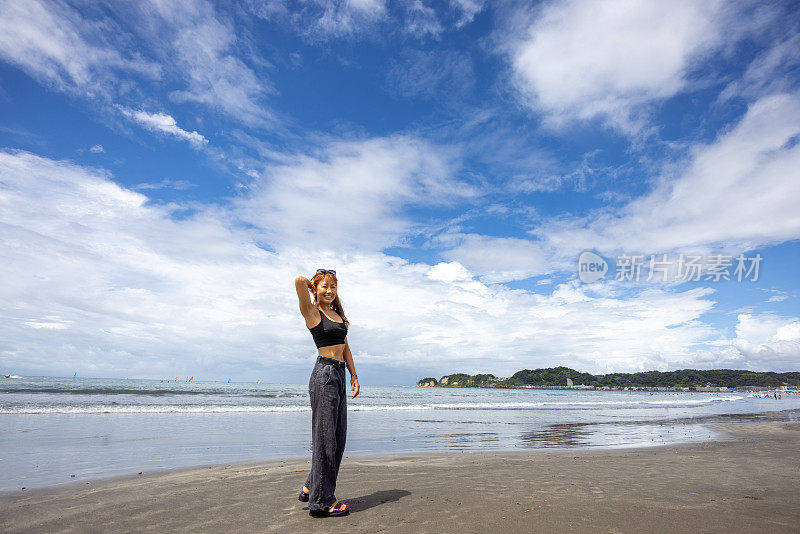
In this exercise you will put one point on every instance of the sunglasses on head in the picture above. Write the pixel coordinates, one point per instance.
(326, 271)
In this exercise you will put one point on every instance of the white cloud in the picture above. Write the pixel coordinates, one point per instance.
(778, 295)
(203, 47)
(46, 325)
(109, 284)
(737, 193)
(583, 59)
(422, 20)
(56, 45)
(121, 286)
(346, 18)
(324, 19)
(113, 53)
(463, 325)
(770, 72)
(166, 183)
(443, 74)
(161, 122)
(97, 149)
(351, 194)
(449, 272)
(468, 8)
(496, 259)
(768, 338)
(579, 179)
(267, 9)
(763, 342)
(732, 195)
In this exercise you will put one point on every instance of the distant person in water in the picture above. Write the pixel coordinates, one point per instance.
(325, 319)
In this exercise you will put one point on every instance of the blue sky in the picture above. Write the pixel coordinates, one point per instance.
(167, 169)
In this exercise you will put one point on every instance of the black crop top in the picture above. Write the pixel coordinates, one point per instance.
(328, 332)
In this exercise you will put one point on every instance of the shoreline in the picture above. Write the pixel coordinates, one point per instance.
(78, 483)
(747, 477)
(575, 437)
(369, 457)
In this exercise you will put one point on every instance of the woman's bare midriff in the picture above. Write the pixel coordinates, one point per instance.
(332, 351)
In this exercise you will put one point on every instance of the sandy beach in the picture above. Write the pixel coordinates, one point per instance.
(746, 481)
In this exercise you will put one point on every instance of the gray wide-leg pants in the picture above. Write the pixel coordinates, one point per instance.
(326, 387)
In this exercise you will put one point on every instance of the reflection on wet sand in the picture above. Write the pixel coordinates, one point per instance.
(639, 432)
(558, 435)
(761, 417)
(463, 440)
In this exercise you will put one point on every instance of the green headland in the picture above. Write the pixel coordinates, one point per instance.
(558, 377)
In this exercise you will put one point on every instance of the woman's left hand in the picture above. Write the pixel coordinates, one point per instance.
(354, 387)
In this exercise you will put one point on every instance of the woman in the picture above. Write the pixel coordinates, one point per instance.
(328, 325)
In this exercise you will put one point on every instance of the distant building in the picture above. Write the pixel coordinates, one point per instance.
(569, 382)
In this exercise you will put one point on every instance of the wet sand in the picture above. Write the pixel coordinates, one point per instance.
(747, 480)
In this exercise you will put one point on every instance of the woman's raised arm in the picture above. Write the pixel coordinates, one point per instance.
(303, 286)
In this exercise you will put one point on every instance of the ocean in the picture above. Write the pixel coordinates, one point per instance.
(59, 430)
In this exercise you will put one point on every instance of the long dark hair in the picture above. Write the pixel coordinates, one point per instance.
(336, 305)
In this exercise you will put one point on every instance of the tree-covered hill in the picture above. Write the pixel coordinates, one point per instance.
(557, 376)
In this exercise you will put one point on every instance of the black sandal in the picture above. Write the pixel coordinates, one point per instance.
(336, 512)
(303, 497)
